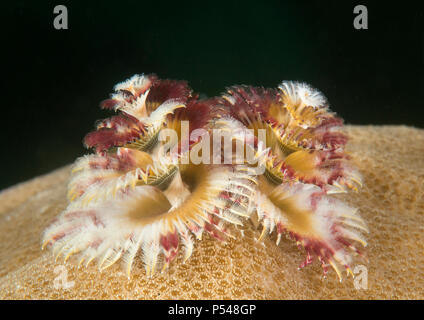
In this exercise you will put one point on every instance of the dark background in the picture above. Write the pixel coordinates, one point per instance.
(56, 78)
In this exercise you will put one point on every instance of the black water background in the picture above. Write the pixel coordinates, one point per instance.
(54, 79)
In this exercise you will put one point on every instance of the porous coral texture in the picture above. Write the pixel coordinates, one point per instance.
(391, 160)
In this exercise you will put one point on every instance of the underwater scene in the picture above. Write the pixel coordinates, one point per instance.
(220, 154)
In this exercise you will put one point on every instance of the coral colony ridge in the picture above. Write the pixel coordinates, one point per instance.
(141, 190)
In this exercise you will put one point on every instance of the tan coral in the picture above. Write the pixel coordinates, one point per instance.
(391, 160)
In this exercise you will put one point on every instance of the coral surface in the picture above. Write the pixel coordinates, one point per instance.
(391, 161)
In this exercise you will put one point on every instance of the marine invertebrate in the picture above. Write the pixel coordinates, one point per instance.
(133, 193)
(306, 162)
(129, 195)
